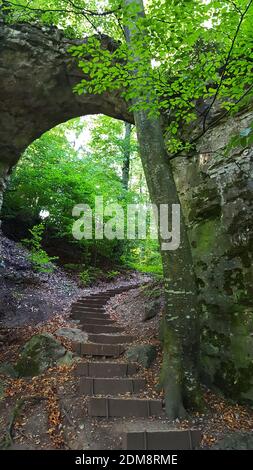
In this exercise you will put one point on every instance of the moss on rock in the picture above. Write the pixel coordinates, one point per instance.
(39, 353)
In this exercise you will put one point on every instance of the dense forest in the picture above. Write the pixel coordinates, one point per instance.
(126, 143)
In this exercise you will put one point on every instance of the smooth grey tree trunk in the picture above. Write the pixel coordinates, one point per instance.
(179, 375)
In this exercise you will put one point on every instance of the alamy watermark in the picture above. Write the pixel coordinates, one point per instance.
(136, 221)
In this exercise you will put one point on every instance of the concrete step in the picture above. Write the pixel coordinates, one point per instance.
(95, 321)
(106, 369)
(96, 349)
(162, 440)
(110, 386)
(124, 407)
(100, 329)
(110, 339)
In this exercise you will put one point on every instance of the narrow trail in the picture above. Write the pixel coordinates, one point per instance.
(114, 386)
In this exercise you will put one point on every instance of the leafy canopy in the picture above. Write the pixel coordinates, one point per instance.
(201, 52)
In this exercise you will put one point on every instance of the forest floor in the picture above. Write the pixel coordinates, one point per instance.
(47, 411)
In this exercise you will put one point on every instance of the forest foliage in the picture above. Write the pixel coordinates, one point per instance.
(72, 164)
(201, 53)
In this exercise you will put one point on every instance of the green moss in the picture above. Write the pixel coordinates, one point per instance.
(39, 353)
(204, 237)
(227, 359)
(234, 382)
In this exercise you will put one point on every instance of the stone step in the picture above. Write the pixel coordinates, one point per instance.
(100, 329)
(93, 297)
(95, 321)
(162, 440)
(83, 316)
(124, 407)
(110, 339)
(106, 369)
(96, 349)
(110, 386)
(97, 315)
(103, 295)
(88, 310)
(95, 304)
(88, 314)
(87, 307)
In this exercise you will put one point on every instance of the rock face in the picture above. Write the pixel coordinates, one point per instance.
(39, 353)
(151, 310)
(144, 354)
(235, 441)
(37, 76)
(216, 191)
(73, 334)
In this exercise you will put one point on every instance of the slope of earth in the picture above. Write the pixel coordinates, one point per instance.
(28, 297)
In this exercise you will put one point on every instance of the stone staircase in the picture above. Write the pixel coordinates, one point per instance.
(110, 383)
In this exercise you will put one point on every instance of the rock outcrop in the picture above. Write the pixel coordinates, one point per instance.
(144, 354)
(216, 191)
(37, 75)
(39, 353)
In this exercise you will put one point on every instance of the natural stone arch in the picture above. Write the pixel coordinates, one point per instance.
(37, 75)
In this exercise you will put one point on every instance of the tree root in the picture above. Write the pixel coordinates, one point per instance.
(7, 441)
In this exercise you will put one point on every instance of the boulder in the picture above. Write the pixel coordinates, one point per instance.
(8, 370)
(151, 310)
(39, 353)
(235, 441)
(73, 334)
(144, 354)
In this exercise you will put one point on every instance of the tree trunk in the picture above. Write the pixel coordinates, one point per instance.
(179, 375)
(127, 155)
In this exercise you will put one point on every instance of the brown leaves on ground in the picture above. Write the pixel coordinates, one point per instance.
(17, 337)
(221, 416)
(44, 387)
(226, 417)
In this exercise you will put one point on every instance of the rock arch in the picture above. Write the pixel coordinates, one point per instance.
(37, 76)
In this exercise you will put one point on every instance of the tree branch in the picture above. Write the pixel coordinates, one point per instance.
(77, 10)
(227, 62)
(214, 123)
(43, 10)
(235, 7)
(92, 12)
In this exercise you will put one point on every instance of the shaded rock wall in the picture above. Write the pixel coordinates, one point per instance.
(37, 76)
(216, 189)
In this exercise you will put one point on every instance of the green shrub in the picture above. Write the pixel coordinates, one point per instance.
(85, 277)
(39, 258)
(112, 274)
